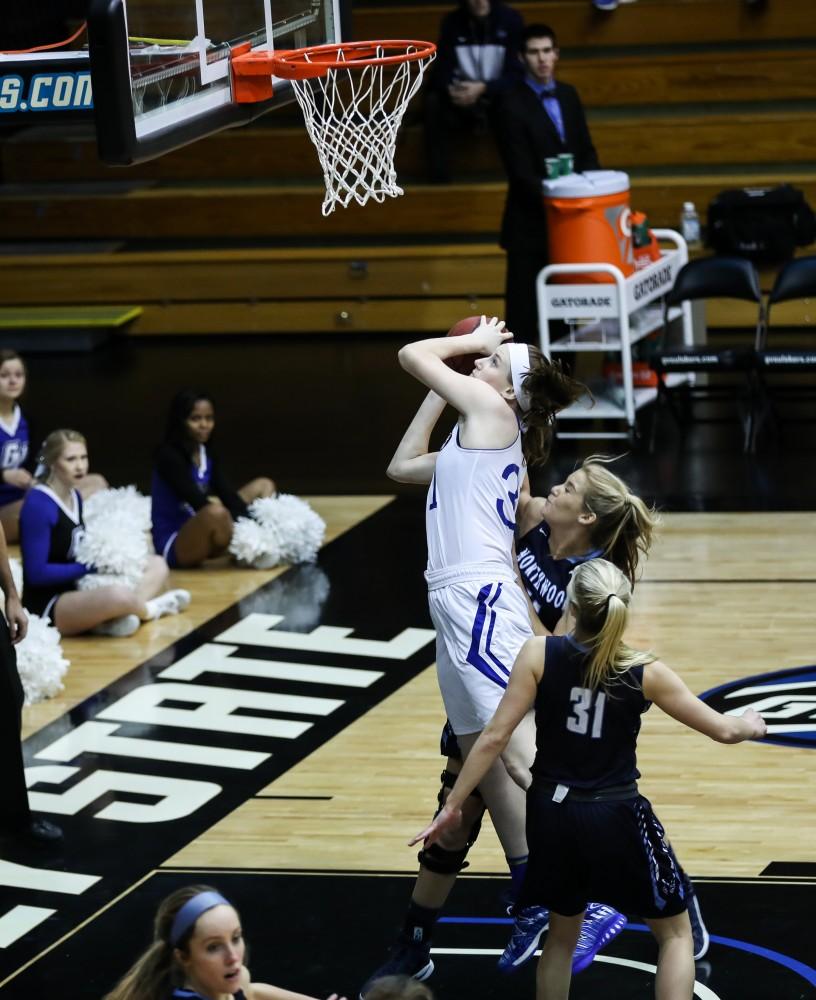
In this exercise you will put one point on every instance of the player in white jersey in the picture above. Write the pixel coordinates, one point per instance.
(478, 610)
(506, 408)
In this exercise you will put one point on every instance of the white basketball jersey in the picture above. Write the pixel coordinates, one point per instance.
(470, 516)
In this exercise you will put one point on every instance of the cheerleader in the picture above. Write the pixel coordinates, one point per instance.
(16, 456)
(193, 507)
(197, 953)
(50, 526)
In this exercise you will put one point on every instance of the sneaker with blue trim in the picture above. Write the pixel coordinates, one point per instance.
(406, 958)
(699, 933)
(531, 922)
(601, 925)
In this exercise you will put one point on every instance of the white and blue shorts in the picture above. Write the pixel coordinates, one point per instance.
(481, 625)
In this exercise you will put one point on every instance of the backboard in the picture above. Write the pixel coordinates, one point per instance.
(161, 68)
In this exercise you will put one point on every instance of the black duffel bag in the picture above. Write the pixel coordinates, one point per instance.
(764, 224)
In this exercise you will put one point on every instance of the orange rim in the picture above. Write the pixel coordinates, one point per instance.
(317, 60)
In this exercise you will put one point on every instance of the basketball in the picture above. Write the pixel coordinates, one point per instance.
(463, 363)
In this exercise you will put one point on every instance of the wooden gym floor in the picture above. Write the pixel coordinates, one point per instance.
(301, 808)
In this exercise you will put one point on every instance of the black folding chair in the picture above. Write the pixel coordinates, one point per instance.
(728, 371)
(781, 358)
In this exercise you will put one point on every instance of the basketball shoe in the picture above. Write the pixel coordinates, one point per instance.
(531, 922)
(699, 933)
(601, 924)
(407, 958)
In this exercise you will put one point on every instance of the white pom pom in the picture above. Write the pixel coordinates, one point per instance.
(124, 502)
(300, 529)
(284, 529)
(253, 546)
(40, 662)
(116, 539)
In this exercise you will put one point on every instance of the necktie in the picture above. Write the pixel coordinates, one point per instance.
(550, 103)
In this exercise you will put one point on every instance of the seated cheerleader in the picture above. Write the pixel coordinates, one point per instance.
(193, 507)
(50, 523)
(197, 953)
(16, 458)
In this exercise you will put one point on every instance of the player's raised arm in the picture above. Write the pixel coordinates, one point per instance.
(669, 692)
(412, 461)
(530, 509)
(425, 360)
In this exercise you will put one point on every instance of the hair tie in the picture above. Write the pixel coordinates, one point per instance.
(191, 911)
(608, 599)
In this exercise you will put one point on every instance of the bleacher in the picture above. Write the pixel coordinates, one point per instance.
(226, 235)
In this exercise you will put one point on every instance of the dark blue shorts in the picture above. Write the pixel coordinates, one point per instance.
(165, 545)
(615, 852)
(42, 601)
(448, 744)
(10, 494)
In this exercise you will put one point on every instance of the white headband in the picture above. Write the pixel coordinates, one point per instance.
(519, 367)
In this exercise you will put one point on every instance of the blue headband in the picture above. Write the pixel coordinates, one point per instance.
(191, 911)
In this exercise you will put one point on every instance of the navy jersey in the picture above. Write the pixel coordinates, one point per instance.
(48, 534)
(585, 738)
(14, 442)
(545, 579)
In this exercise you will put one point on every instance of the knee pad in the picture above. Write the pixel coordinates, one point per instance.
(443, 862)
(448, 779)
(450, 862)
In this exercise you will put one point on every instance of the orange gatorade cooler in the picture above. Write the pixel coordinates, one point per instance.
(588, 220)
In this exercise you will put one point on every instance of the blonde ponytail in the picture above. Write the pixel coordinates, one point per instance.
(599, 595)
(624, 525)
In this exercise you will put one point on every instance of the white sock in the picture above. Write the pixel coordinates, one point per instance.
(123, 626)
(168, 603)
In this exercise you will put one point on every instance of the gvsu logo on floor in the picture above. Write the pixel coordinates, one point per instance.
(786, 700)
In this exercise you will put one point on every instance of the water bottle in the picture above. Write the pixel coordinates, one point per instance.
(690, 225)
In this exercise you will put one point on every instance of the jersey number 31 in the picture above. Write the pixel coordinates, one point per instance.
(578, 722)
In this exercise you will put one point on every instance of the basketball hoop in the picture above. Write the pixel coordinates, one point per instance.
(353, 96)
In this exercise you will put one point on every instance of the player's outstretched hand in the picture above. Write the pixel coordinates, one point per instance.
(446, 819)
(756, 723)
(490, 333)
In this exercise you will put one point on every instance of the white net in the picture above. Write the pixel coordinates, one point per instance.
(352, 115)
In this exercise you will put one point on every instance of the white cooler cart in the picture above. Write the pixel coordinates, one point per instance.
(635, 302)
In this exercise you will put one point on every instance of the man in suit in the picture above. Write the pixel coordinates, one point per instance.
(537, 119)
